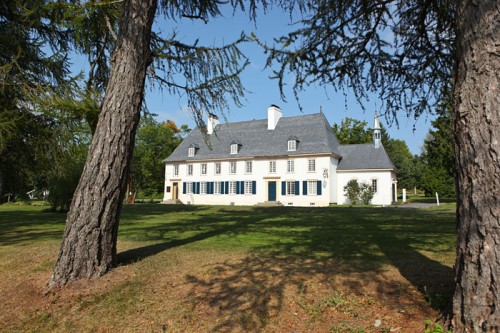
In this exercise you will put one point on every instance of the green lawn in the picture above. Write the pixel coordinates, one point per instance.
(238, 268)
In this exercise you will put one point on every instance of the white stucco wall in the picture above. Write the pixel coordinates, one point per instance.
(384, 181)
(261, 175)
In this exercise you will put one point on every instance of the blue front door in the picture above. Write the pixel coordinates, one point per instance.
(271, 190)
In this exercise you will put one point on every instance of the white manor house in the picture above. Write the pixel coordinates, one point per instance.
(293, 161)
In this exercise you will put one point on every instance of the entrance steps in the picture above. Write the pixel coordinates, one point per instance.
(269, 204)
(171, 202)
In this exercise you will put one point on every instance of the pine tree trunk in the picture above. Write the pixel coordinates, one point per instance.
(89, 244)
(476, 118)
(1, 186)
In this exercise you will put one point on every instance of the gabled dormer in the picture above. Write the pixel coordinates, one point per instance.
(235, 147)
(192, 150)
(292, 143)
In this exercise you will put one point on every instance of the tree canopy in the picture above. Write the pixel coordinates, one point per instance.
(352, 131)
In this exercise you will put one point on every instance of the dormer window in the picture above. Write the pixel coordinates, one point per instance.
(292, 143)
(235, 146)
(192, 150)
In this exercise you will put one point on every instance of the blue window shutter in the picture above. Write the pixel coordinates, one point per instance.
(297, 190)
(222, 188)
(254, 187)
(226, 184)
(184, 188)
(237, 187)
(304, 187)
(197, 187)
(283, 188)
(242, 187)
(319, 187)
(210, 186)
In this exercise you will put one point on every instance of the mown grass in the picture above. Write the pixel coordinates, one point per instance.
(279, 241)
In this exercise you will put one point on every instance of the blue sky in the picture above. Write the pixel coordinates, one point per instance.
(262, 91)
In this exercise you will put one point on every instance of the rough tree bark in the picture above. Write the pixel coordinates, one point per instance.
(476, 118)
(89, 244)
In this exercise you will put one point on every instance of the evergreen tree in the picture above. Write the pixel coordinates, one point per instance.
(26, 70)
(352, 131)
(411, 52)
(207, 76)
(439, 174)
(154, 142)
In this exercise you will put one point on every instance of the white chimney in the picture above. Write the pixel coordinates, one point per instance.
(274, 114)
(213, 121)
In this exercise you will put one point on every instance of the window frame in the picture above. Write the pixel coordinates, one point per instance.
(217, 187)
(218, 168)
(312, 184)
(176, 169)
(204, 169)
(232, 187)
(234, 148)
(248, 187)
(189, 187)
(290, 187)
(191, 151)
(292, 145)
(247, 169)
(203, 187)
(232, 171)
(272, 166)
(190, 169)
(375, 188)
(290, 166)
(311, 162)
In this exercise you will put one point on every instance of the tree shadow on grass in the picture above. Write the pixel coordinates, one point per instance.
(25, 224)
(404, 250)
(195, 229)
(289, 246)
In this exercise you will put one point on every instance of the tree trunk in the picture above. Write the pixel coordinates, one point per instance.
(1, 186)
(89, 244)
(476, 118)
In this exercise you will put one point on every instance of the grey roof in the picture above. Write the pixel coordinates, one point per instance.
(313, 133)
(364, 156)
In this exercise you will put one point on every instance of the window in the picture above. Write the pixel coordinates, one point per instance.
(248, 167)
(189, 187)
(292, 145)
(176, 169)
(311, 165)
(290, 187)
(374, 185)
(248, 187)
(272, 166)
(217, 187)
(203, 188)
(234, 148)
(204, 169)
(232, 187)
(190, 169)
(290, 166)
(312, 187)
(191, 151)
(232, 169)
(217, 168)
